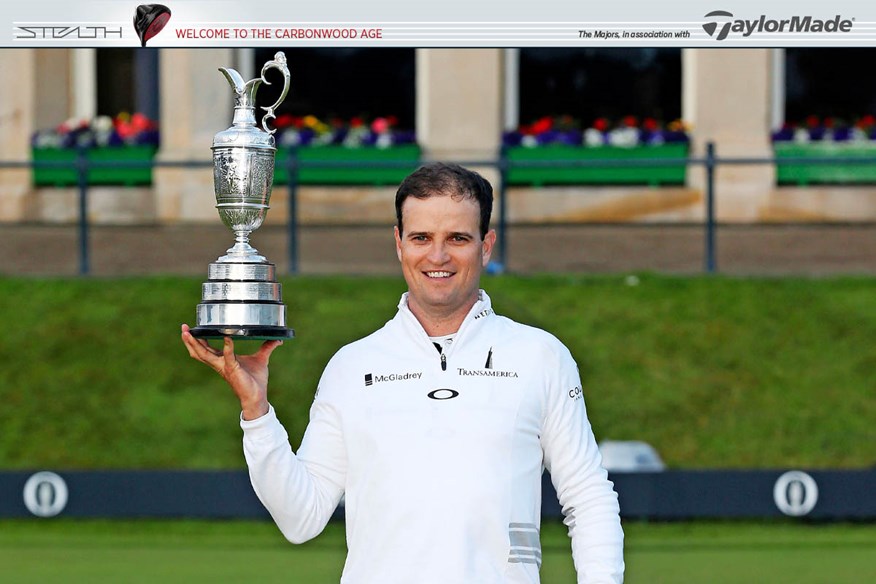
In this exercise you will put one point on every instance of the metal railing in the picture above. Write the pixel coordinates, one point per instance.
(293, 165)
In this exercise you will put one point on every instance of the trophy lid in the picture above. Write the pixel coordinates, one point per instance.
(244, 132)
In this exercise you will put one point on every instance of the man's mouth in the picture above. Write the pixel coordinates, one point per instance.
(438, 274)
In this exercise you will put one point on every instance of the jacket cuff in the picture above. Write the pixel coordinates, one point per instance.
(261, 427)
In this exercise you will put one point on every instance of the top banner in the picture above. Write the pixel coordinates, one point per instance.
(449, 23)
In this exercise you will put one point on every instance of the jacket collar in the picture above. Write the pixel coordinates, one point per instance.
(482, 308)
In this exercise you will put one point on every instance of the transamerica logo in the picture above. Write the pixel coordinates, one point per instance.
(795, 24)
(371, 379)
(485, 373)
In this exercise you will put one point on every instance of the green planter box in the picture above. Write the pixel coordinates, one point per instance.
(839, 173)
(655, 175)
(67, 175)
(367, 171)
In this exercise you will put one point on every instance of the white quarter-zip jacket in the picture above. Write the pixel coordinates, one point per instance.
(439, 457)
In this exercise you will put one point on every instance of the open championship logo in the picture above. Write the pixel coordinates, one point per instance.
(795, 24)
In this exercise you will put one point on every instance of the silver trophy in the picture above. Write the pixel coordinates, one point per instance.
(241, 298)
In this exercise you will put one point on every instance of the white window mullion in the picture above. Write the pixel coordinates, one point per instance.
(512, 89)
(84, 66)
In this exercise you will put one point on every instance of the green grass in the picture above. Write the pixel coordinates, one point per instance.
(71, 552)
(714, 372)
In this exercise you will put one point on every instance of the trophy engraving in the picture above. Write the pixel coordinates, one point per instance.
(242, 298)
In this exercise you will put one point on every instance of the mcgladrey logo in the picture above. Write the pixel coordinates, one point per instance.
(721, 23)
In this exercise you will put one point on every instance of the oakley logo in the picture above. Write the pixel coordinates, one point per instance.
(442, 394)
(719, 28)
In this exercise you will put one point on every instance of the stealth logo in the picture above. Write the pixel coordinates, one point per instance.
(722, 24)
(711, 27)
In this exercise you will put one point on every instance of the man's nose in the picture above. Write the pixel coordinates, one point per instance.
(438, 253)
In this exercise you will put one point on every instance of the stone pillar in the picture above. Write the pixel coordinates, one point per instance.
(17, 124)
(726, 99)
(196, 102)
(459, 104)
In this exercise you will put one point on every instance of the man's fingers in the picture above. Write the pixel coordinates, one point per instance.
(264, 352)
(228, 356)
(199, 349)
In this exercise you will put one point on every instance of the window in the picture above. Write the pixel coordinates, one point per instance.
(345, 83)
(829, 83)
(590, 83)
(127, 81)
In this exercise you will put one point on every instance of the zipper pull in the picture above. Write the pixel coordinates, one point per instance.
(443, 362)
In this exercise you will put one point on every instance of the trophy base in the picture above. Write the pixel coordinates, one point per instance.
(249, 333)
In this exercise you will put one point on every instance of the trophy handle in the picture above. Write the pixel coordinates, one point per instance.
(279, 63)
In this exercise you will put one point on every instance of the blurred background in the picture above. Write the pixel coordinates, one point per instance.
(696, 225)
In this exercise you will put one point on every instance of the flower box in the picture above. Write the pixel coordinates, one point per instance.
(596, 175)
(68, 174)
(403, 159)
(838, 173)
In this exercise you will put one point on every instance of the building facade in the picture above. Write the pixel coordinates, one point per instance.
(464, 100)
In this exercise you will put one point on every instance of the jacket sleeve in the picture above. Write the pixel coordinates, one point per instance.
(300, 491)
(587, 497)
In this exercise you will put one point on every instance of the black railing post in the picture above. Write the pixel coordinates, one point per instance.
(292, 223)
(503, 209)
(711, 265)
(82, 180)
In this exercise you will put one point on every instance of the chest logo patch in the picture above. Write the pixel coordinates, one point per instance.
(442, 394)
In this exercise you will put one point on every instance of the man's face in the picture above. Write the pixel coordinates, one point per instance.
(442, 254)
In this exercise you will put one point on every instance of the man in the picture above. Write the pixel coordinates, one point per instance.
(436, 427)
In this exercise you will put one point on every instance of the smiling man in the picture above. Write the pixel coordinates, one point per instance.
(436, 428)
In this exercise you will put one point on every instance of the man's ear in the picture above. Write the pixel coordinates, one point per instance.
(489, 242)
(397, 234)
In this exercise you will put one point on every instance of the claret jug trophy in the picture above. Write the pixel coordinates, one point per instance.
(242, 298)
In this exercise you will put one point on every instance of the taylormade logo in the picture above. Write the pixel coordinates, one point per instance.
(721, 25)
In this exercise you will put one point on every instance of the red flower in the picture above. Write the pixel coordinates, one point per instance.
(356, 123)
(379, 126)
(542, 125)
(283, 121)
(140, 122)
(650, 124)
(630, 121)
(601, 124)
(866, 122)
(812, 122)
(392, 120)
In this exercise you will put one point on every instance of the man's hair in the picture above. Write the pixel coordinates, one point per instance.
(441, 179)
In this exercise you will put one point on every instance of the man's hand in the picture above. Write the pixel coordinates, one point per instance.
(246, 374)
